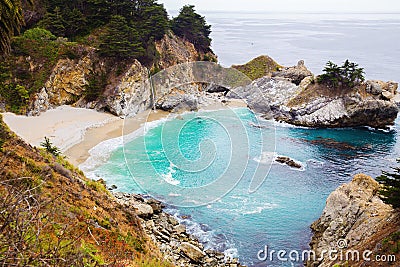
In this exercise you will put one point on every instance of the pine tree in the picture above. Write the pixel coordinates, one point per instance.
(121, 41)
(347, 75)
(75, 24)
(54, 22)
(390, 192)
(152, 20)
(192, 26)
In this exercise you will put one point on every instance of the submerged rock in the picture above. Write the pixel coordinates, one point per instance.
(288, 161)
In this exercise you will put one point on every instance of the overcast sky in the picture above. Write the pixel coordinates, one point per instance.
(374, 6)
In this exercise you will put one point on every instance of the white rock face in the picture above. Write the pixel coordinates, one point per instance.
(133, 93)
(353, 213)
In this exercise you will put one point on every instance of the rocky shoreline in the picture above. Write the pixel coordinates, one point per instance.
(177, 245)
(354, 219)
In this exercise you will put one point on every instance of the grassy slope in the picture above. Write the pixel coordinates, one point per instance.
(51, 214)
(258, 67)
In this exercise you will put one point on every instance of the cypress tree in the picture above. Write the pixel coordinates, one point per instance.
(192, 26)
(121, 41)
(390, 192)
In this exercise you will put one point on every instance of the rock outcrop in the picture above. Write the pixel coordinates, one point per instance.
(174, 50)
(66, 84)
(259, 67)
(292, 95)
(177, 246)
(126, 93)
(355, 218)
(132, 94)
(295, 74)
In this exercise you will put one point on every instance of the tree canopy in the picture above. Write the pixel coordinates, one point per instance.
(120, 41)
(192, 26)
(142, 23)
(347, 75)
(390, 192)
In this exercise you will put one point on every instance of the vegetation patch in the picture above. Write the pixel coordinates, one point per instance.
(258, 67)
(390, 182)
(348, 75)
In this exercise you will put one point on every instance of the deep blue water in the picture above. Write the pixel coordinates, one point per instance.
(180, 161)
(371, 40)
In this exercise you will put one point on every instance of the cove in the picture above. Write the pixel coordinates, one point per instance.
(195, 148)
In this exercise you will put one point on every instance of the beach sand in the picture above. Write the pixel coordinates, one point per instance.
(76, 130)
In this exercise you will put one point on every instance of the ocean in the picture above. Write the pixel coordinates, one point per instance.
(204, 163)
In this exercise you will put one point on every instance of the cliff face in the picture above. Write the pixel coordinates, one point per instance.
(355, 218)
(292, 95)
(174, 50)
(126, 93)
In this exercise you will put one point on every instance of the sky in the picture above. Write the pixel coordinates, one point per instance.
(355, 6)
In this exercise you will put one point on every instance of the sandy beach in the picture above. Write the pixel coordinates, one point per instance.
(76, 130)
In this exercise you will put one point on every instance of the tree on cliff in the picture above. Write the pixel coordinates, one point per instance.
(120, 41)
(347, 75)
(390, 182)
(192, 26)
(11, 21)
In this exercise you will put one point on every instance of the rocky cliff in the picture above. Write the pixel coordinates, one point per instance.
(126, 89)
(354, 219)
(292, 95)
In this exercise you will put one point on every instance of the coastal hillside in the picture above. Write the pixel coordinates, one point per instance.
(69, 53)
(52, 215)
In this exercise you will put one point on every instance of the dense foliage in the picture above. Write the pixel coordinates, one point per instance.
(347, 75)
(391, 187)
(19, 79)
(193, 27)
(119, 31)
(120, 40)
(11, 21)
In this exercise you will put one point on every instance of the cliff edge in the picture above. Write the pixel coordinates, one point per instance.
(356, 227)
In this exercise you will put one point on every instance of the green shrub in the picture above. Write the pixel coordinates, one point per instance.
(39, 34)
(16, 97)
(46, 144)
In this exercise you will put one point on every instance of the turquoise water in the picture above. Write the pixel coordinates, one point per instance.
(181, 161)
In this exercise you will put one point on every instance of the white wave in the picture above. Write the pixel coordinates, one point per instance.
(231, 253)
(168, 177)
(99, 154)
(206, 236)
(174, 195)
(389, 129)
(266, 157)
(258, 210)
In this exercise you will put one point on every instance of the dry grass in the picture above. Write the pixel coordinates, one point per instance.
(315, 91)
(47, 218)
